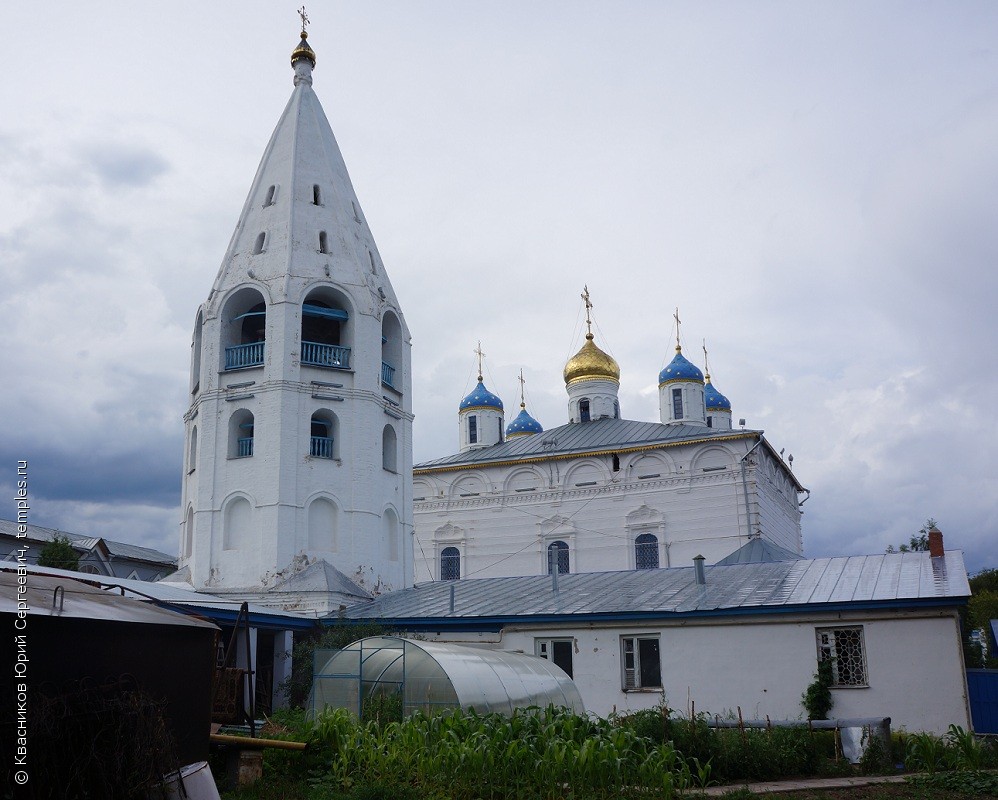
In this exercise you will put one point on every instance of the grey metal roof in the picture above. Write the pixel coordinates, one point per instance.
(321, 577)
(739, 588)
(759, 550)
(601, 434)
(81, 601)
(159, 592)
(39, 533)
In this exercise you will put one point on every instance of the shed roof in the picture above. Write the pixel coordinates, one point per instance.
(847, 582)
(219, 609)
(79, 600)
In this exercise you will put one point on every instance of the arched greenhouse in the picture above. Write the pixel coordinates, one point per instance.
(382, 671)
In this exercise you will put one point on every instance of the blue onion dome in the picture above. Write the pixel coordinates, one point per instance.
(680, 369)
(523, 425)
(713, 399)
(480, 397)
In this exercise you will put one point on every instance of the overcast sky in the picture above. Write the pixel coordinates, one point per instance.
(814, 185)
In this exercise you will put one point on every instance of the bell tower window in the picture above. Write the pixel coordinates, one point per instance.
(324, 329)
(245, 329)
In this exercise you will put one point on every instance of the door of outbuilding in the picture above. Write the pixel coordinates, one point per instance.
(982, 688)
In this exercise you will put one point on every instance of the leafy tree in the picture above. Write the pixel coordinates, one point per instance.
(981, 609)
(918, 543)
(59, 554)
(817, 698)
(299, 683)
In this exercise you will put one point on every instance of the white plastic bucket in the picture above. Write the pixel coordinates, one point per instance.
(193, 782)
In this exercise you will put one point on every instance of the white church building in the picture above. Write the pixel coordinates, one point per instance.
(298, 474)
(602, 492)
(652, 560)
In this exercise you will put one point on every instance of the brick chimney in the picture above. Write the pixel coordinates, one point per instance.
(935, 542)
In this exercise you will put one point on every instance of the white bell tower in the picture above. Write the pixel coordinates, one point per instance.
(297, 486)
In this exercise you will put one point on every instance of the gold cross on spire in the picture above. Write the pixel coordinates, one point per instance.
(706, 367)
(679, 347)
(481, 355)
(523, 402)
(304, 22)
(589, 305)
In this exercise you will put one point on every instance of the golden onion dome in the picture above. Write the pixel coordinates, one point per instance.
(303, 50)
(591, 364)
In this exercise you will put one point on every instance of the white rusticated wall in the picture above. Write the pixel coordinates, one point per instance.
(502, 518)
(914, 662)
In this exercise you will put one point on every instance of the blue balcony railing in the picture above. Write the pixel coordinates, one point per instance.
(325, 355)
(244, 447)
(321, 447)
(387, 374)
(244, 355)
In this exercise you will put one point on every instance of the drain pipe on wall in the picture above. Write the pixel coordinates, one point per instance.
(748, 510)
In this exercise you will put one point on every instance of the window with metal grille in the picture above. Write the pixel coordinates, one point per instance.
(472, 429)
(558, 554)
(450, 564)
(677, 403)
(641, 665)
(844, 648)
(646, 551)
(557, 650)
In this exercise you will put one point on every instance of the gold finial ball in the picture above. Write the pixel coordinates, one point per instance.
(591, 364)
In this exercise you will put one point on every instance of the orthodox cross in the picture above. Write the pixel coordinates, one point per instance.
(706, 367)
(481, 355)
(675, 316)
(523, 402)
(304, 21)
(589, 305)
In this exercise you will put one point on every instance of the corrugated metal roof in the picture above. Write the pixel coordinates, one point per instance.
(737, 588)
(81, 601)
(122, 549)
(757, 550)
(602, 434)
(168, 594)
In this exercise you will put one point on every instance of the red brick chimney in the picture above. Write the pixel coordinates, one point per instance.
(935, 542)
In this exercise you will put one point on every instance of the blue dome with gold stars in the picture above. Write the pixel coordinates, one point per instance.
(713, 399)
(480, 397)
(680, 369)
(523, 425)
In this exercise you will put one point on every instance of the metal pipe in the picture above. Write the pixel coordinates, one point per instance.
(748, 510)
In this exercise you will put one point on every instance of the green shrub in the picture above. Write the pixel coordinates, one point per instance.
(817, 698)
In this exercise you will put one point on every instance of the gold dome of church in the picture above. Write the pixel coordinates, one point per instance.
(591, 364)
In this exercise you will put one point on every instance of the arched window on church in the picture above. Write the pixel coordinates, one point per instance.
(677, 403)
(196, 354)
(389, 449)
(244, 331)
(241, 432)
(322, 435)
(584, 410)
(391, 351)
(192, 453)
(324, 330)
(450, 564)
(646, 551)
(558, 555)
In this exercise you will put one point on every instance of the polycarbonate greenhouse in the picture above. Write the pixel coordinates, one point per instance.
(432, 676)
